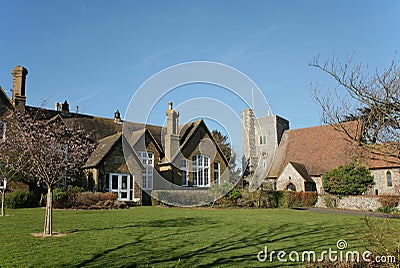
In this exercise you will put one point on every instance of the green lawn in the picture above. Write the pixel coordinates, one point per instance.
(164, 237)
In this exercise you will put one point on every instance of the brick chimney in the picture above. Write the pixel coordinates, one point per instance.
(18, 93)
(172, 136)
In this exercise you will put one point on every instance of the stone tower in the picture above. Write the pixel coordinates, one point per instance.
(260, 138)
(18, 92)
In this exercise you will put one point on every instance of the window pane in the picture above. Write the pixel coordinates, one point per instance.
(195, 178)
(200, 177)
(124, 183)
(184, 177)
(144, 181)
(108, 184)
(206, 170)
(216, 166)
(114, 182)
(389, 179)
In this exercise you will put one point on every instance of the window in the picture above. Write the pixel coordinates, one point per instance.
(147, 173)
(291, 187)
(389, 179)
(263, 139)
(184, 169)
(201, 170)
(122, 184)
(216, 172)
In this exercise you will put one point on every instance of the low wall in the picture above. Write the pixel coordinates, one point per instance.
(366, 203)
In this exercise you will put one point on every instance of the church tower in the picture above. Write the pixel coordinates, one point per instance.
(260, 138)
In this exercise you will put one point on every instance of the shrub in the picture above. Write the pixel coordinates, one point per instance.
(74, 197)
(297, 199)
(60, 198)
(108, 196)
(386, 209)
(224, 194)
(87, 199)
(353, 179)
(390, 201)
(330, 201)
(20, 198)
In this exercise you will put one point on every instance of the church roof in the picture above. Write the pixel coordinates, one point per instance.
(322, 148)
(301, 169)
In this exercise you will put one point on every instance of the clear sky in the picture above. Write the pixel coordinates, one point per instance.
(95, 54)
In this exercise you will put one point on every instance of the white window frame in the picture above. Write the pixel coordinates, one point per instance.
(147, 159)
(201, 170)
(217, 171)
(121, 189)
(185, 172)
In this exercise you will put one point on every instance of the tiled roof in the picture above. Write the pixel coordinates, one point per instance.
(102, 149)
(301, 169)
(322, 148)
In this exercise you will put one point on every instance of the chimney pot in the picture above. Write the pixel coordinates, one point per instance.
(65, 108)
(117, 116)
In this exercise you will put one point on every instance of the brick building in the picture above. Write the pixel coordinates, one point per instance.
(132, 159)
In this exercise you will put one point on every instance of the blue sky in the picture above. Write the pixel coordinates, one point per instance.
(95, 54)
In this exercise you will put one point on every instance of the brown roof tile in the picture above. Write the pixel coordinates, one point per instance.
(322, 148)
(102, 149)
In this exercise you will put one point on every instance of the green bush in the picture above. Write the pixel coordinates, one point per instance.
(75, 197)
(297, 199)
(20, 198)
(353, 179)
(386, 209)
(60, 198)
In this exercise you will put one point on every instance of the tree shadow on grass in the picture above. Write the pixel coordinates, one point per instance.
(239, 248)
(180, 222)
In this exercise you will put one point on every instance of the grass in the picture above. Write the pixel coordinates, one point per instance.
(168, 237)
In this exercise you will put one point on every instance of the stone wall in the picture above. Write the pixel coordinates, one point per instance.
(365, 203)
(381, 184)
(290, 175)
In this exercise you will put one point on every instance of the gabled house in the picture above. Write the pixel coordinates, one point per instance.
(133, 159)
(144, 158)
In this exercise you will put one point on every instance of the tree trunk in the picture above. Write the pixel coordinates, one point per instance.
(2, 202)
(48, 221)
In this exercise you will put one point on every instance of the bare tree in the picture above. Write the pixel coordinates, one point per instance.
(372, 100)
(47, 151)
